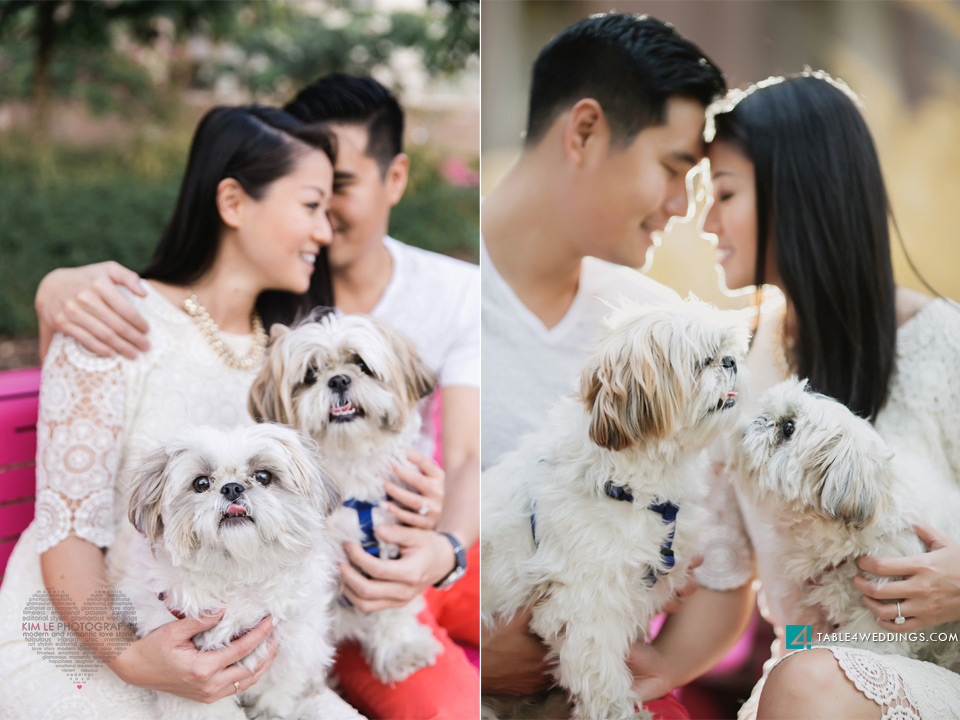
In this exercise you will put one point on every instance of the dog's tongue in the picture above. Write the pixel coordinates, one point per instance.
(731, 394)
(236, 510)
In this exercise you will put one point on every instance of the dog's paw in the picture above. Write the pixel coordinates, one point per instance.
(398, 662)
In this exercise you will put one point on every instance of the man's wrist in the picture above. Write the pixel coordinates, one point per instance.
(459, 565)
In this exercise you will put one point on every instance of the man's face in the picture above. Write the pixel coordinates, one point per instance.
(362, 197)
(633, 191)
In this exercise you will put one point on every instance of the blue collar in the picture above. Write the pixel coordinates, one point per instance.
(667, 511)
(365, 517)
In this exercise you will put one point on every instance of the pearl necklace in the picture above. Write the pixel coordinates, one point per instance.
(211, 333)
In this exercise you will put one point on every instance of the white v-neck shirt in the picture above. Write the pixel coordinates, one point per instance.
(434, 300)
(526, 366)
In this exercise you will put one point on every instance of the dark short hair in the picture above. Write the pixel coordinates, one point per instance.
(821, 200)
(255, 145)
(355, 100)
(630, 64)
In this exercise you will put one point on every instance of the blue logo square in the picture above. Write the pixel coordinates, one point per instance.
(799, 637)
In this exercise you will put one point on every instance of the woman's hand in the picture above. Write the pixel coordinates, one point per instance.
(514, 660)
(85, 304)
(426, 557)
(929, 594)
(427, 480)
(166, 660)
(650, 674)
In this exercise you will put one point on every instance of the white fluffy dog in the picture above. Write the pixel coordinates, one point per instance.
(591, 523)
(837, 492)
(235, 519)
(353, 384)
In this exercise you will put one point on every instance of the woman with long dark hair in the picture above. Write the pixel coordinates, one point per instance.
(800, 204)
(239, 252)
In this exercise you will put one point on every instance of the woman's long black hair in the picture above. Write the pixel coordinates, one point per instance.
(255, 145)
(822, 203)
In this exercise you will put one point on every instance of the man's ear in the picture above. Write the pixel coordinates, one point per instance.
(230, 196)
(396, 180)
(585, 127)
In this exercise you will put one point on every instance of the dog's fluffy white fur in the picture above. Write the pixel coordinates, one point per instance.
(236, 519)
(658, 388)
(837, 492)
(353, 384)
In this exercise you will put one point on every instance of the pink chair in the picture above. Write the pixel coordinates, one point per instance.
(19, 390)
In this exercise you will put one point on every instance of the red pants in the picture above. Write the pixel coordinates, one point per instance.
(450, 689)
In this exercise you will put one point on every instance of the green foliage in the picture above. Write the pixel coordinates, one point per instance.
(435, 214)
(271, 46)
(65, 206)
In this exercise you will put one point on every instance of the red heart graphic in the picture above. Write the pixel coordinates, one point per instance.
(79, 686)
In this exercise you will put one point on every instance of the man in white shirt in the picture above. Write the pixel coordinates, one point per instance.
(615, 123)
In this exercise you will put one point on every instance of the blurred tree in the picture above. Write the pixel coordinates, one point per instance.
(57, 25)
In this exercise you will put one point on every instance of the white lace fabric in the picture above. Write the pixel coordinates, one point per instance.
(79, 431)
(97, 417)
(921, 415)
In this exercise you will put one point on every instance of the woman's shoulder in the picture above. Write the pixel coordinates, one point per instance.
(908, 303)
(930, 326)
(154, 306)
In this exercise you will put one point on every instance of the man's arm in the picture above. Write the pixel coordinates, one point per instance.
(85, 304)
(461, 459)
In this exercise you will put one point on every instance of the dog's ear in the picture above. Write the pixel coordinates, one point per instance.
(606, 403)
(265, 401)
(626, 398)
(148, 481)
(309, 478)
(851, 483)
(277, 331)
(418, 379)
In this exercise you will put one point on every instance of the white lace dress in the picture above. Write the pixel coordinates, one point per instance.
(97, 416)
(922, 414)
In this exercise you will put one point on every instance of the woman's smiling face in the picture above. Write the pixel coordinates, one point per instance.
(733, 215)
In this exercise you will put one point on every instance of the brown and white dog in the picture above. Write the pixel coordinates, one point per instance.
(591, 524)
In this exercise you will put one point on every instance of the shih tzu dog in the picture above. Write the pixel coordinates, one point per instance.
(591, 523)
(352, 384)
(836, 492)
(235, 519)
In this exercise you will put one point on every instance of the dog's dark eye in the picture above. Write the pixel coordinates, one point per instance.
(786, 429)
(363, 366)
(264, 477)
(201, 484)
(310, 377)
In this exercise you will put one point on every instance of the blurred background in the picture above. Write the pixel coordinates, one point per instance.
(901, 57)
(99, 100)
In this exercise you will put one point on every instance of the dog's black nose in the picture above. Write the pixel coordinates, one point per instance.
(729, 362)
(338, 383)
(232, 491)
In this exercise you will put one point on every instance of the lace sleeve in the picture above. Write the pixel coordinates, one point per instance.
(727, 552)
(78, 440)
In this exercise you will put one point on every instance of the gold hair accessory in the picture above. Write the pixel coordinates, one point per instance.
(211, 333)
